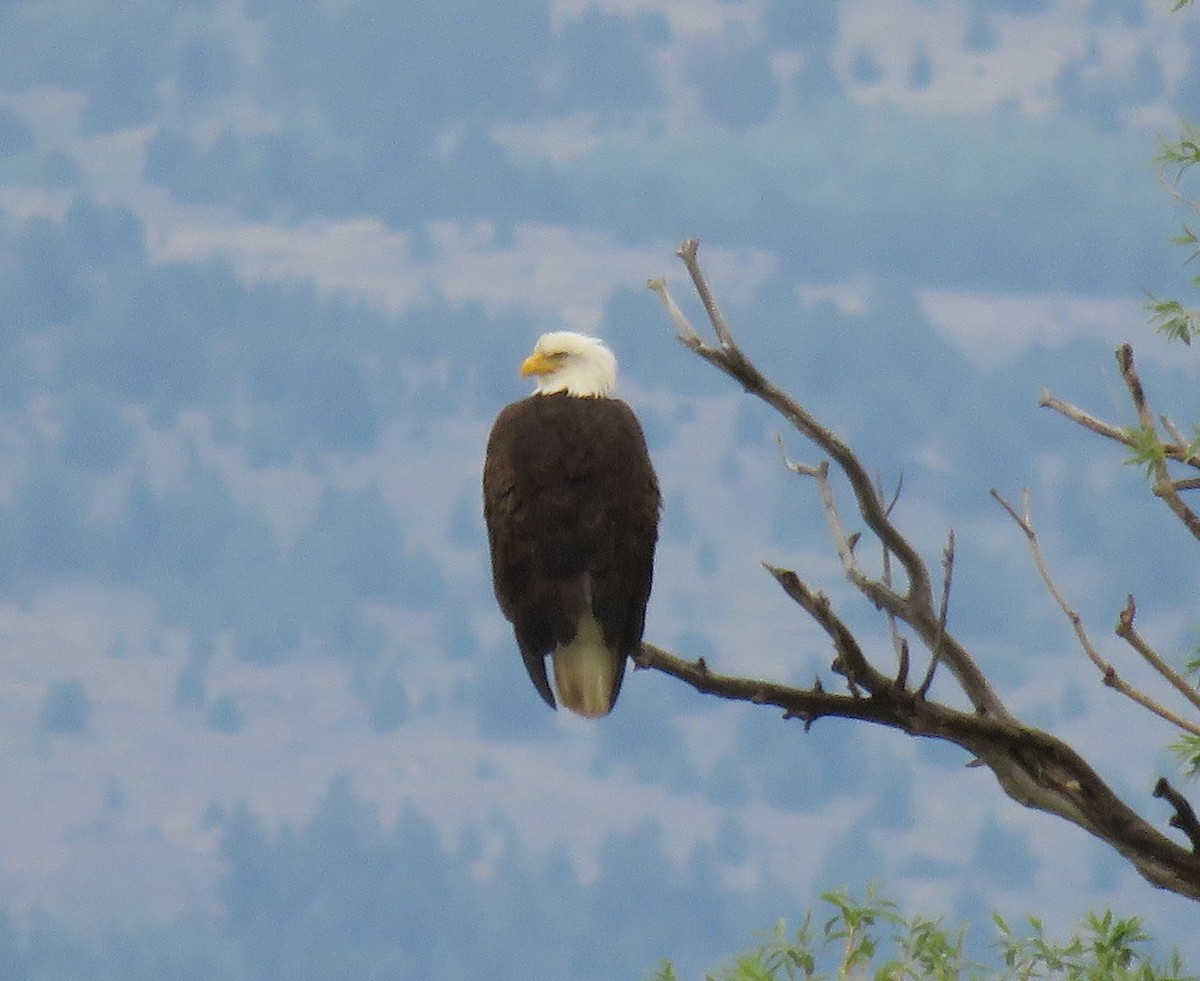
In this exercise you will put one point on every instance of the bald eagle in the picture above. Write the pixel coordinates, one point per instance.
(571, 502)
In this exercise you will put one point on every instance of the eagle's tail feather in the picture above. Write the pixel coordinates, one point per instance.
(587, 673)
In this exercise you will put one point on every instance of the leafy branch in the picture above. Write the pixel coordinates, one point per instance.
(1149, 448)
(869, 937)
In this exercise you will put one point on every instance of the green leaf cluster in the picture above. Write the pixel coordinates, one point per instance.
(1187, 746)
(1172, 318)
(1106, 949)
(1169, 316)
(1146, 450)
(1183, 153)
(871, 939)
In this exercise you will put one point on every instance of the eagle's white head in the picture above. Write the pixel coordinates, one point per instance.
(563, 361)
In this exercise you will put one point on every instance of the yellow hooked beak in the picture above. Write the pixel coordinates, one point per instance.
(538, 364)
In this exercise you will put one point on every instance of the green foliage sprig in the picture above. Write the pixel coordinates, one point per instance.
(1172, 318)
(1187, 746)
(1183, 153)
(1146, 450)
(871, 939)
(1169, 316)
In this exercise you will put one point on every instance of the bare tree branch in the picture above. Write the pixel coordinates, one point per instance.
(687, 252)
(1181, 444)
(1144, 440)
(850, 661)
(1108, 673)
(1177, 450)
(899, 643)
(1077, 415)
(916, 606)
(730, 359)
(683, 327)
(1033, 768)
(943, 613)
(1162, 477)
(1128, 633)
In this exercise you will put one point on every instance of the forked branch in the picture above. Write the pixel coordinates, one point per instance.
(1034, 768)
(916, 606)
(1144, 441)
(1125, 630)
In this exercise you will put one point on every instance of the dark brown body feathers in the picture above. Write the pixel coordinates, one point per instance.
(571, 502)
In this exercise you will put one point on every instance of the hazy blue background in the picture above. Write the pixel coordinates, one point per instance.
(267, 271)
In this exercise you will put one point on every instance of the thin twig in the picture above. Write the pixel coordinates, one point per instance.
(1077, 415)
(936, 653)
(1178, 450)
(1128, 633)
(851, 662)
(1108, 673)
(1181, 444)
(843, 543)
(841, 540)
(899, 644)
(683, 327)
(687, 252)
